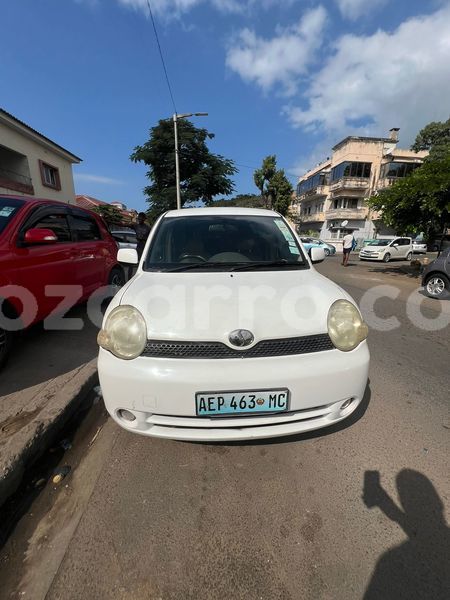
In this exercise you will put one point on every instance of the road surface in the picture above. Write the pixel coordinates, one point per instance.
(357, 511)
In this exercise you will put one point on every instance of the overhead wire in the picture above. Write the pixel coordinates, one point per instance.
(161, 56)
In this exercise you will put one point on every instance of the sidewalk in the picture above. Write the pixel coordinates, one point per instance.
(48, 375)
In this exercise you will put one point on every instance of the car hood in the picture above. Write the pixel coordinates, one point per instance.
(208, 306)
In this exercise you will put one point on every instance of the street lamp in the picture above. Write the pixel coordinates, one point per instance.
(177, 158)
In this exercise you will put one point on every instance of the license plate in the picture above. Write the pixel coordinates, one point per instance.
(216, 404)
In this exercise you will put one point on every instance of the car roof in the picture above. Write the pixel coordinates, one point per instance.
(222, 210)
(31, 200)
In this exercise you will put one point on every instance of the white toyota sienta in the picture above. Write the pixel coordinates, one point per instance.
(227, 332)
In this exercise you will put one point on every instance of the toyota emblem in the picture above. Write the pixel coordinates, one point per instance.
(241, 338)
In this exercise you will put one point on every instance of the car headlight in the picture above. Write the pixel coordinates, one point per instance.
(345, 326)
(124, 333)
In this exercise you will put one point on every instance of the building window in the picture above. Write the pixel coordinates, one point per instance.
(312, 182)
(345, 203)
(351, 169)
(399, 169)
(50, 175)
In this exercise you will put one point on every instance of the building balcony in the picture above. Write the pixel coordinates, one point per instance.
(318, 217)
(11, 180)
(347, 213)
(350, 183)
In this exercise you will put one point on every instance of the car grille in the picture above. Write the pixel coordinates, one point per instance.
(217, 350)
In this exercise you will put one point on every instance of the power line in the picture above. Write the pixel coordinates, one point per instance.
(161, 56)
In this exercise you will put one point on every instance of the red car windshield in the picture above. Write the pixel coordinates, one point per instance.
(8, 208)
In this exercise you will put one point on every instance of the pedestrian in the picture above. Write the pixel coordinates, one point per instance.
(142, 232)
(348, 244)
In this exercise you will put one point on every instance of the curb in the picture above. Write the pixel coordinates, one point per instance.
(31, 442)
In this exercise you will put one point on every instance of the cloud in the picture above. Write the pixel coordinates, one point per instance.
(85, 177)
(383, 80)
(178, 7)
(281, 59)
(353, 9)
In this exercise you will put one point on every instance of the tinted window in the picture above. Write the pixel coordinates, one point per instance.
(8, 209)
(84, 228)
(351, 169)
(223, 240)
(56, 223)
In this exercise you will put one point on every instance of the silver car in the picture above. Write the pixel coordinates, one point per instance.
(436, 276)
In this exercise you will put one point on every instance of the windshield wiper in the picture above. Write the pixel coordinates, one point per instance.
(274, 263)
(202, 265)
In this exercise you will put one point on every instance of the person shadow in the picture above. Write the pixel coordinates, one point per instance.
(420, 567)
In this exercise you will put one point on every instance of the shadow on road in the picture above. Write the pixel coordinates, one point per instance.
(419, 568)
(401, 269)
(40, 355)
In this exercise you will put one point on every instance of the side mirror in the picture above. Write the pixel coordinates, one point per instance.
(40, 236)
(317, 255)
(129, 256)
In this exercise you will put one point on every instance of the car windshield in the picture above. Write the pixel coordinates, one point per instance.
(379, 243)
(8, 208)
(223, 242)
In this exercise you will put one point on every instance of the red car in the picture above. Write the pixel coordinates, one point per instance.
(46, 246)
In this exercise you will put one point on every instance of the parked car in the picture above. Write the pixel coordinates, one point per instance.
(386, 249)
(309, 243)
(125, 239)
(44, 243)
(227, 332)
(419, 246)
(436, 276)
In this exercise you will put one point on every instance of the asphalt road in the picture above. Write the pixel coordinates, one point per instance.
(357, 511)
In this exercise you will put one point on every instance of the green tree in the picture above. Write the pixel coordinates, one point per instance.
(275, 188)
(242, 200)
(262, 177)
(280, 192)
(203, 175)
(110, 214)
(421, 201)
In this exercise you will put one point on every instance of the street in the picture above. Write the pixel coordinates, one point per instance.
(359, 510)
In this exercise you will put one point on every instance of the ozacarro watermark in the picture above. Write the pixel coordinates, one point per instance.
(180, 307)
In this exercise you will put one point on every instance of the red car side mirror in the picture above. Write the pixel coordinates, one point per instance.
(40, 236)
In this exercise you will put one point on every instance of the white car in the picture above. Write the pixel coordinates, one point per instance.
(419, 247)
(386, 249)
(227, 332)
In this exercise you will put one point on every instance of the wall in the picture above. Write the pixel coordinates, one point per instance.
(34, 151)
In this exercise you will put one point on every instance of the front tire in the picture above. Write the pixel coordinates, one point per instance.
(409, 256)
(386, 257)
(327, 251)
(436, 285)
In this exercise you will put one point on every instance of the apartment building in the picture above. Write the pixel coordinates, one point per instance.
(33, 165)
(332, 198)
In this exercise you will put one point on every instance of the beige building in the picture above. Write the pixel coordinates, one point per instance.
(331, 198)
(33, 165)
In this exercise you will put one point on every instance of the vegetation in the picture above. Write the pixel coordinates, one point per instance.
(275, 188)
(203, 174)
(243, 200)
(420, 202)
(110, 214)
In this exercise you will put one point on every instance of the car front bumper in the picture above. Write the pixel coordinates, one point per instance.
(161, 393)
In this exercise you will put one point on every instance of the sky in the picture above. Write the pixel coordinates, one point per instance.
(284, 77)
